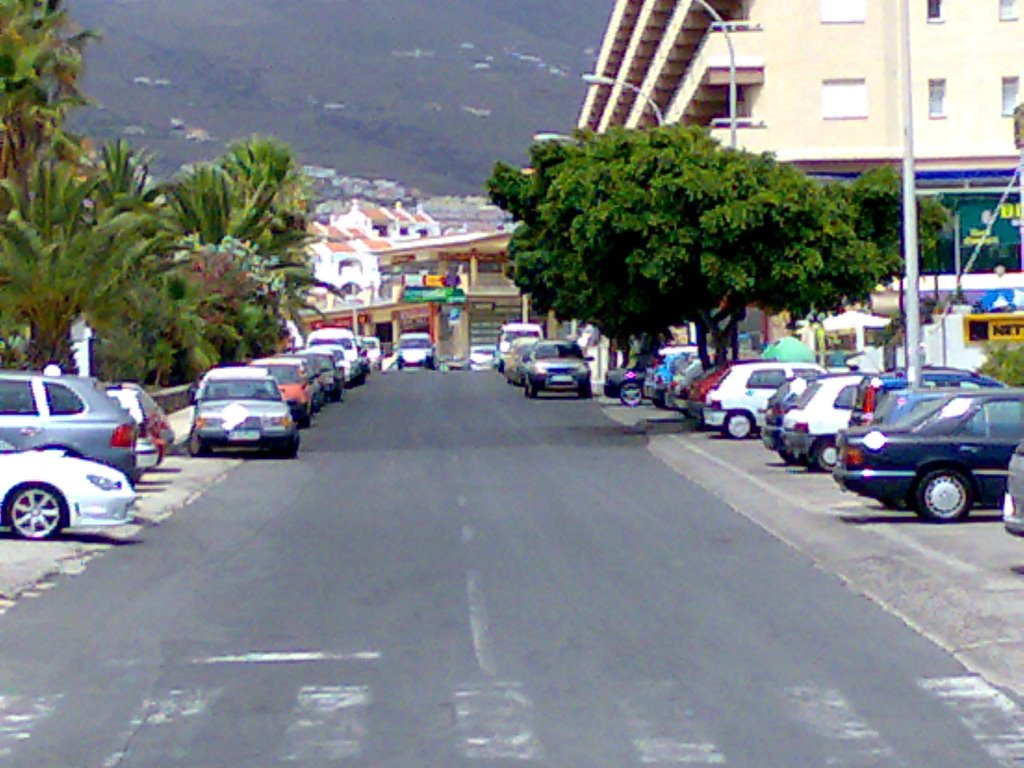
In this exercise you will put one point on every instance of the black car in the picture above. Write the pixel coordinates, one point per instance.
(944, 458)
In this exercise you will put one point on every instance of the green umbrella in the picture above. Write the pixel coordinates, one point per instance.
(789, 350)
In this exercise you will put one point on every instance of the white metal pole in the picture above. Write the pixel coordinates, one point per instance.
(722, 25)
(911, 299)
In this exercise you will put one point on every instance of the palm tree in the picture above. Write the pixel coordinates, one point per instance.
(40, 68)
(62, 258)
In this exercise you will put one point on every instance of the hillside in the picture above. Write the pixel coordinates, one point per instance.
(430, 92)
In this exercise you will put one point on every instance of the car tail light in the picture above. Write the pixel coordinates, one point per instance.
(852, 457)
(123, 436)
(802, 426)
(869, 401)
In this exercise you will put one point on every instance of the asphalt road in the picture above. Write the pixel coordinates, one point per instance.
(452, 575)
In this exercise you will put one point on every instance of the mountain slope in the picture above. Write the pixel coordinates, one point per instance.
(429, 92)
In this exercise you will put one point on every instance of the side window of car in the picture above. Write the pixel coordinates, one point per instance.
(62, 401)
(16, 399)
(1005, 418)
(770, 379)
(846, 397)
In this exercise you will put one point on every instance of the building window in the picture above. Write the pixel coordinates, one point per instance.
(934, 10)
(1011, 94)
(936, 98)
(844, 99)
(1008, 10)
(842, 11)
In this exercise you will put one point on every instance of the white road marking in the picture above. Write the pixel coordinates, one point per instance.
(479, 626)
(826, 713)
(329, 723)
(496, 722)
(177, 705)
(665, 731)
(19, 715)
(992, 718)
(288, 657)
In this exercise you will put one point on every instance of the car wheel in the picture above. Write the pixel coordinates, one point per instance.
(35, 511)
(291, 450)
(529, 390)
(739, 426)
(585, 391)
(659, 401)
(306, 419)
(197, 446)
(944, 495)
(826, 455)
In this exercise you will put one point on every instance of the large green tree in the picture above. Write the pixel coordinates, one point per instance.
(637, 230)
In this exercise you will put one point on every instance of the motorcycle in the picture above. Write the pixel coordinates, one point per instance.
(631, 393)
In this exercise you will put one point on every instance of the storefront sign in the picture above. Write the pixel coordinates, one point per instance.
(438, 295)
(976, 215)
(994, 328)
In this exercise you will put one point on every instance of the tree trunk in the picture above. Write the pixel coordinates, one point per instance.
(51, 345)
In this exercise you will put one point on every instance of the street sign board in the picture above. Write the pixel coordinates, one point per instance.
(438, 295)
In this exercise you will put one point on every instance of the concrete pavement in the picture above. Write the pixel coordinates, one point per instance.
(453, 575)
(961, 585)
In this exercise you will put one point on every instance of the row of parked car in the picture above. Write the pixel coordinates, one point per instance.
(951, 445)
(72, 448)
(265, 404)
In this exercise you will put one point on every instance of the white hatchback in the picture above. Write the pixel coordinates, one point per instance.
(809, 429)
(735, 407)
(45, 492)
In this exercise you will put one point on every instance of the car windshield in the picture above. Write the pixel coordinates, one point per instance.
(903, 406)
(239, 389)
(483, 351)
(284, 374)
(513, 335)
(555, 351)
(807, 395)
(414, 344)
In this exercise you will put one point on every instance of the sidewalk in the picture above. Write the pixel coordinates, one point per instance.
(962, 585)
(28, 567)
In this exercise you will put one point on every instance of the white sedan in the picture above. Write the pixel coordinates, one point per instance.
(45, 492)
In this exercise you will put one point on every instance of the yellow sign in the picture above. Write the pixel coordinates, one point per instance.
(994, 328)
(433, 281)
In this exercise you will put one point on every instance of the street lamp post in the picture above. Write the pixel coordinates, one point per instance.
(595, 79)
(723, 25)
(911, 298)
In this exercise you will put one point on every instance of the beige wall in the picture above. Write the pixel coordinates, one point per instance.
(971, 48)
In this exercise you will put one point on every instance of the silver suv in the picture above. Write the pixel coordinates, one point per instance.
(67, 412)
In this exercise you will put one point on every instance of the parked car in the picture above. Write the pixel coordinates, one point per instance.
(696, 394)
(682, 379)
(809, 429)
(66, 412)
(734, 405)
(613, 380)
(45, 492)
(512, 331)
(373, 350)
(242, 407)
(324, 363)
(483, 357)
(292, 377)
(873, 387)
(941, 461)
(784, 399)
(898, 404)
(556, 366)
(1013, 501)
(660, 373)
(515, 359)
(344, 345)
(416, 350)
(155, 434)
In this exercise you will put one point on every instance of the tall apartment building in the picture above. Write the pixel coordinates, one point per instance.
(819, 85)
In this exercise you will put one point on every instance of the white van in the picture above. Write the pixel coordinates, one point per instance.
(512, 331)
(416, 350)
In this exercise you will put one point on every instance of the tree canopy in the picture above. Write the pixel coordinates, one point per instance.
(639, 230)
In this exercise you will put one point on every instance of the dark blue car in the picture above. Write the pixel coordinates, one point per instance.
(871, 390)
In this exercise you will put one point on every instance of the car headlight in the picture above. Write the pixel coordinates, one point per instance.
(208, 421)
(105, 483)
(277, 421)
(541, 367)
(582, 368)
